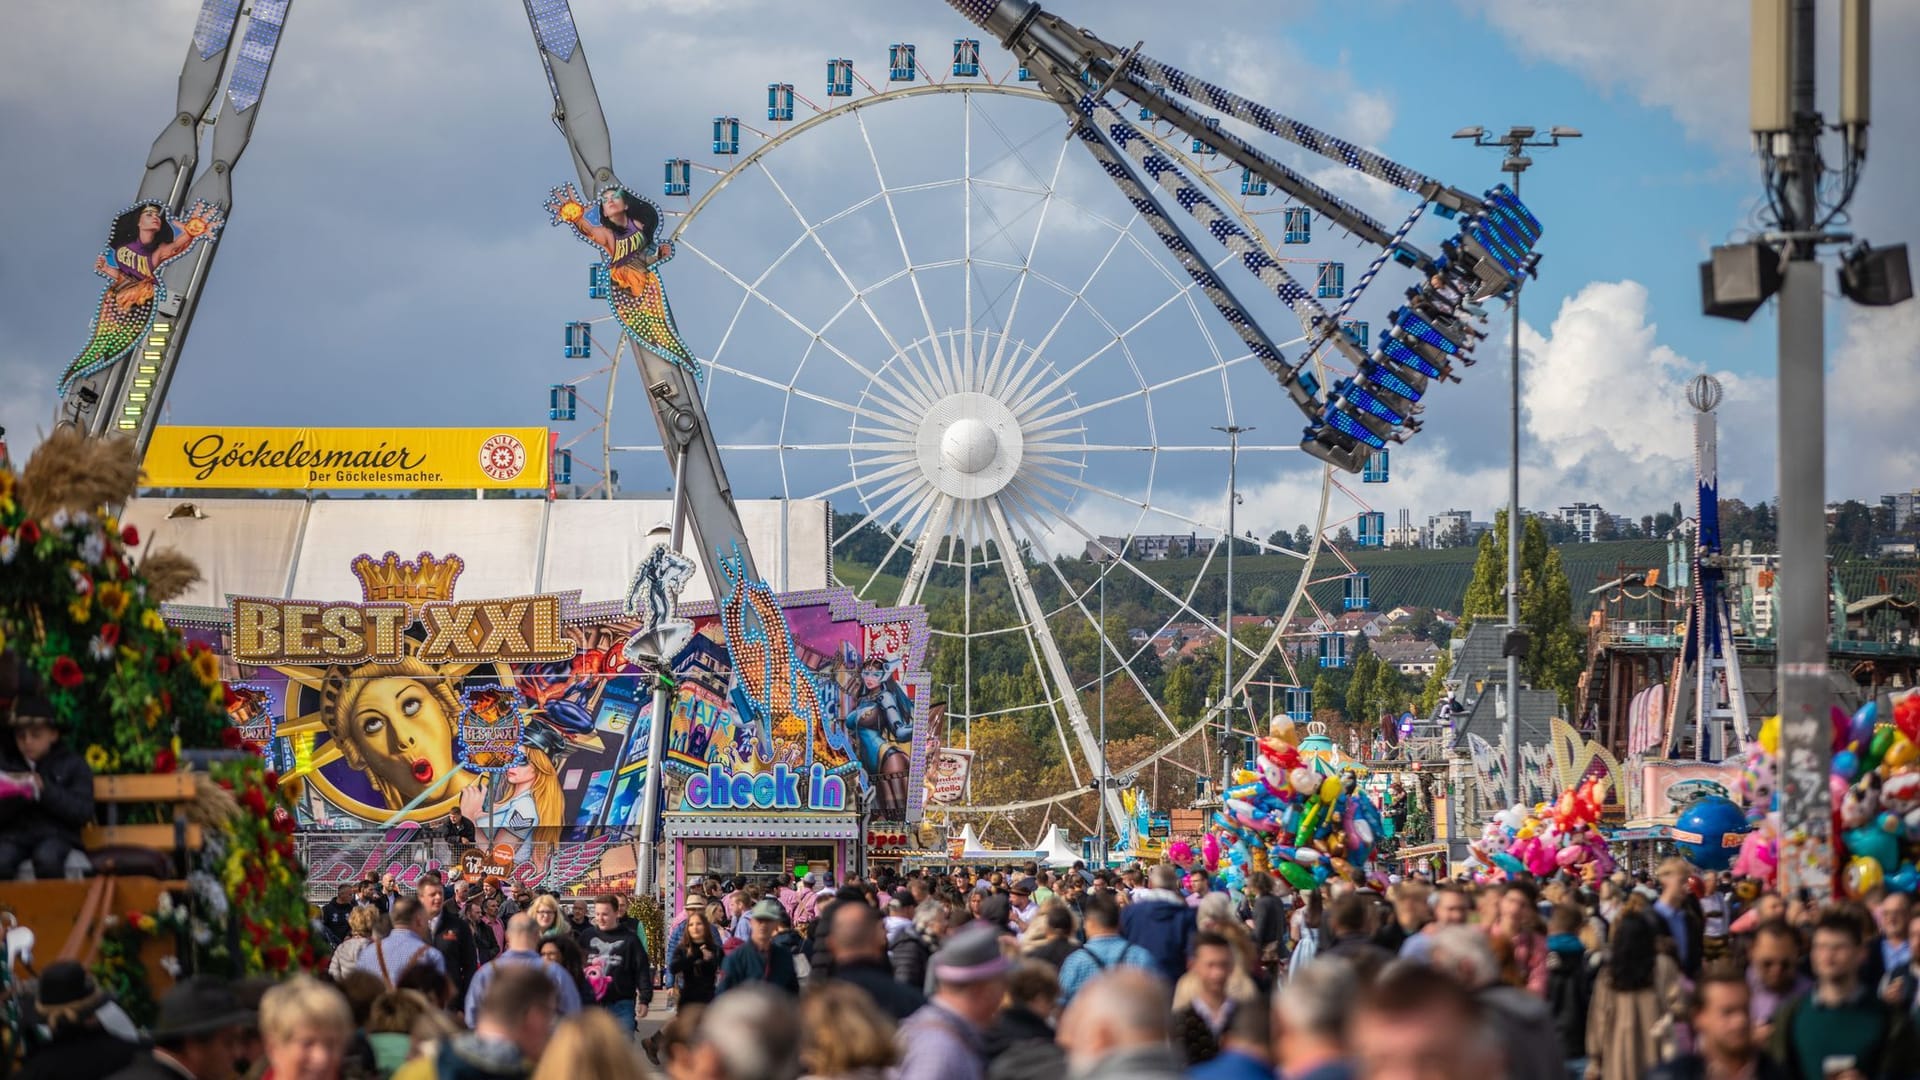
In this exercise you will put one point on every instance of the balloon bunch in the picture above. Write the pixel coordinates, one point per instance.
(1875, 789)
(1562, 835)
(1289, 820)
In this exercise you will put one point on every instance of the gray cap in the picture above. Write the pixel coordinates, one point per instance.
(972, 955)
(768, 910)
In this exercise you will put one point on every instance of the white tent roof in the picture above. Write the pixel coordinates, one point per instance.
(292, 548)
(970, 840)
(1057, 851)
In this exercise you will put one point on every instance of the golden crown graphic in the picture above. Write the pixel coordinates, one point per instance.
(411, 581)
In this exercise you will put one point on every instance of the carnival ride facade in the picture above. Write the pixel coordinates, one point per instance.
(970, 438)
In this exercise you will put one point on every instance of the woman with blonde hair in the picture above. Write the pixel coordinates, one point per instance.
(843, 1036)
(545, 910)
(305, 1025)
(390, 1025)
(590, 1046)
(364, 927)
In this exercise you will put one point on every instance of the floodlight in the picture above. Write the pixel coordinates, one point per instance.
(1515, 163)
(1559, 132)
(1470, 132)
(1738, 279)
(1519, 134)
(1516, 643)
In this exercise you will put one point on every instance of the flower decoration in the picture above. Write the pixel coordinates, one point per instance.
(66, 673)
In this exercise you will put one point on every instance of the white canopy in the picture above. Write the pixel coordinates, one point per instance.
(1058, 852)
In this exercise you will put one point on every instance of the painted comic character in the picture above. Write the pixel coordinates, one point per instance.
(624, 226)
(143, 240)
(880, 717)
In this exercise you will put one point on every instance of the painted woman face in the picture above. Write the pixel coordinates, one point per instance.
(149, 224)
(403, 733)
(520, 774)
(613, 207)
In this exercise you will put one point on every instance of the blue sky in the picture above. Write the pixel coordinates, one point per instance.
(388, 263)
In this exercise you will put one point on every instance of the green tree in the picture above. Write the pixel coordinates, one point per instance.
(1554, 659)
(1182, 693)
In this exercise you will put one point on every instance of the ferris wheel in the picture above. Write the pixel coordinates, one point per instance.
(922, 302)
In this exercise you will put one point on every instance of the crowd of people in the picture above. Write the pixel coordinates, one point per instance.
(1033, 974)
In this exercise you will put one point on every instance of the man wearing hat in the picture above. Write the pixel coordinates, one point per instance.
(198, 1035)
(1024, 906)
(68, 1004)
(51, 798)
(944, 1039)
(760, 960)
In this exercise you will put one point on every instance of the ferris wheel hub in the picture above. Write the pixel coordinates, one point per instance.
(969, 445)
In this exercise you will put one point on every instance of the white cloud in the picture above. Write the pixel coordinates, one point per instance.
(1873, 404)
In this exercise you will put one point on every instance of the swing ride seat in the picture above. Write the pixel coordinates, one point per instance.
(123, 849)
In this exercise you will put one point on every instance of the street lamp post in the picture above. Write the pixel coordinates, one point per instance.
(1514, 143)
(1233, 433)
(1100, 830)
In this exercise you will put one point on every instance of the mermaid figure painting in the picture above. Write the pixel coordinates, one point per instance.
(143, 239)
(624, 226)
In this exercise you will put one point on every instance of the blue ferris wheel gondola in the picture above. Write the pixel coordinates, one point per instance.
(966, 58)
(779, 102)
(900, 63)
(840, 78)
(1377, 468)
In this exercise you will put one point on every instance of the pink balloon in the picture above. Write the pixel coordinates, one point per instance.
(1210, 850)
(1571, 856)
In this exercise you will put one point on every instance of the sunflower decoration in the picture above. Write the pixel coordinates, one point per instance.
(79, 607)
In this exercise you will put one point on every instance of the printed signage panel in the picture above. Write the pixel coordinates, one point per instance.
(347, 458)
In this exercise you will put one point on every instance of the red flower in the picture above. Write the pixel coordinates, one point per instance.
(131, 917)
(164, 762)
(276, 958)
(130, 536)
(272, 780)
(110, 634)
(252, 801)
(230, 738)
(67, 673)
(163, 663)
(29, 531)
(166, 702)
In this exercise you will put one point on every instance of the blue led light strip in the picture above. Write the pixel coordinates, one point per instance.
(1226, 101)
(215, 27)
(1377, 372)
(256, 53)
(553, 25)
(1221, 225)
(1425, 331)
(1401, 353)
(1347, 425)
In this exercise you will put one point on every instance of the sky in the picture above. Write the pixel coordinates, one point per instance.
(388, 262)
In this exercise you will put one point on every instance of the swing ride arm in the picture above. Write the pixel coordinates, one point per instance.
(701, 490)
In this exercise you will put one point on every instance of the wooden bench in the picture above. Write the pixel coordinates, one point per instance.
(71, 916)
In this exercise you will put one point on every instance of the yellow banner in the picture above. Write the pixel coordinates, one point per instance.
(354, 458)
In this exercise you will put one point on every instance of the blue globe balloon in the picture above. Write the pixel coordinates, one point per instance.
(1708, 832)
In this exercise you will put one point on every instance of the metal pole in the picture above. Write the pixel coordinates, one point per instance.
(1100, 830)
(1513, 540)
(1233, 431)
(658, 721)
(1806, 855)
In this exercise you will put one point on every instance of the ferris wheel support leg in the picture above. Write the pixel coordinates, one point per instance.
(924, 548)
(1036, 616)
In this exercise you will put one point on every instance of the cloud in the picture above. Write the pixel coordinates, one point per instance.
(1873, 404)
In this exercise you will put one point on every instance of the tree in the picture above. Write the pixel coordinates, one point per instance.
(1554, 659)
(1327, 692)
(1302, 538)
(1359, 697)
(1344, 538)
(1281, 538)
(1421, 624)
(1182, 693)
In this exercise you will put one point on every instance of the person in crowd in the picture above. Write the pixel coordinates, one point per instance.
(1716, 916)
(1024, 1027)
(41, 830)
(431, 982)
(695, 962)
(1569, 983)
(390, 1026)
(1720, 1015)
(1897, 988)
(1309, 1015)
(578, 921)
(1412, 911)
(1774, 973)
(545, 910)
(1636, 999)
(1680, 915)
(305, 1027)
(1024, 908)
(78, 1044)
(489, 936)
(1105, 947)
(404, 948)
(449, 933)
(1269, 919)
(1054, 943)
(363, 925)
(1887, 950)
(1518, 1018)
(1350, 926)
(856, 939)
(909, 950)
(457, 833)
(361, 990)
(335, 913)
(589, 1046)
(945, 1039)
(693, 901)
(510, 1031)
(675, 1047)
(567, 953)
(1451, 907)
(523, 950)
(761, 960)
(1517, 923)
(1841, 1029)
(1409, 1025)
(719, 1052)
(1246, 1048)
(901, 906)
(842, 1036)
(1202, 1005)
(1117, 1027)
(197, 1035)
(1161, 923)
(721, 924)
(620, 958)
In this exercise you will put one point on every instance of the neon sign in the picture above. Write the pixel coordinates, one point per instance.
(776, 789)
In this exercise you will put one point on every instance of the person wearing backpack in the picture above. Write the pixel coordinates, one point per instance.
(1105, 948)
(1570, 972)
(406, 947)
